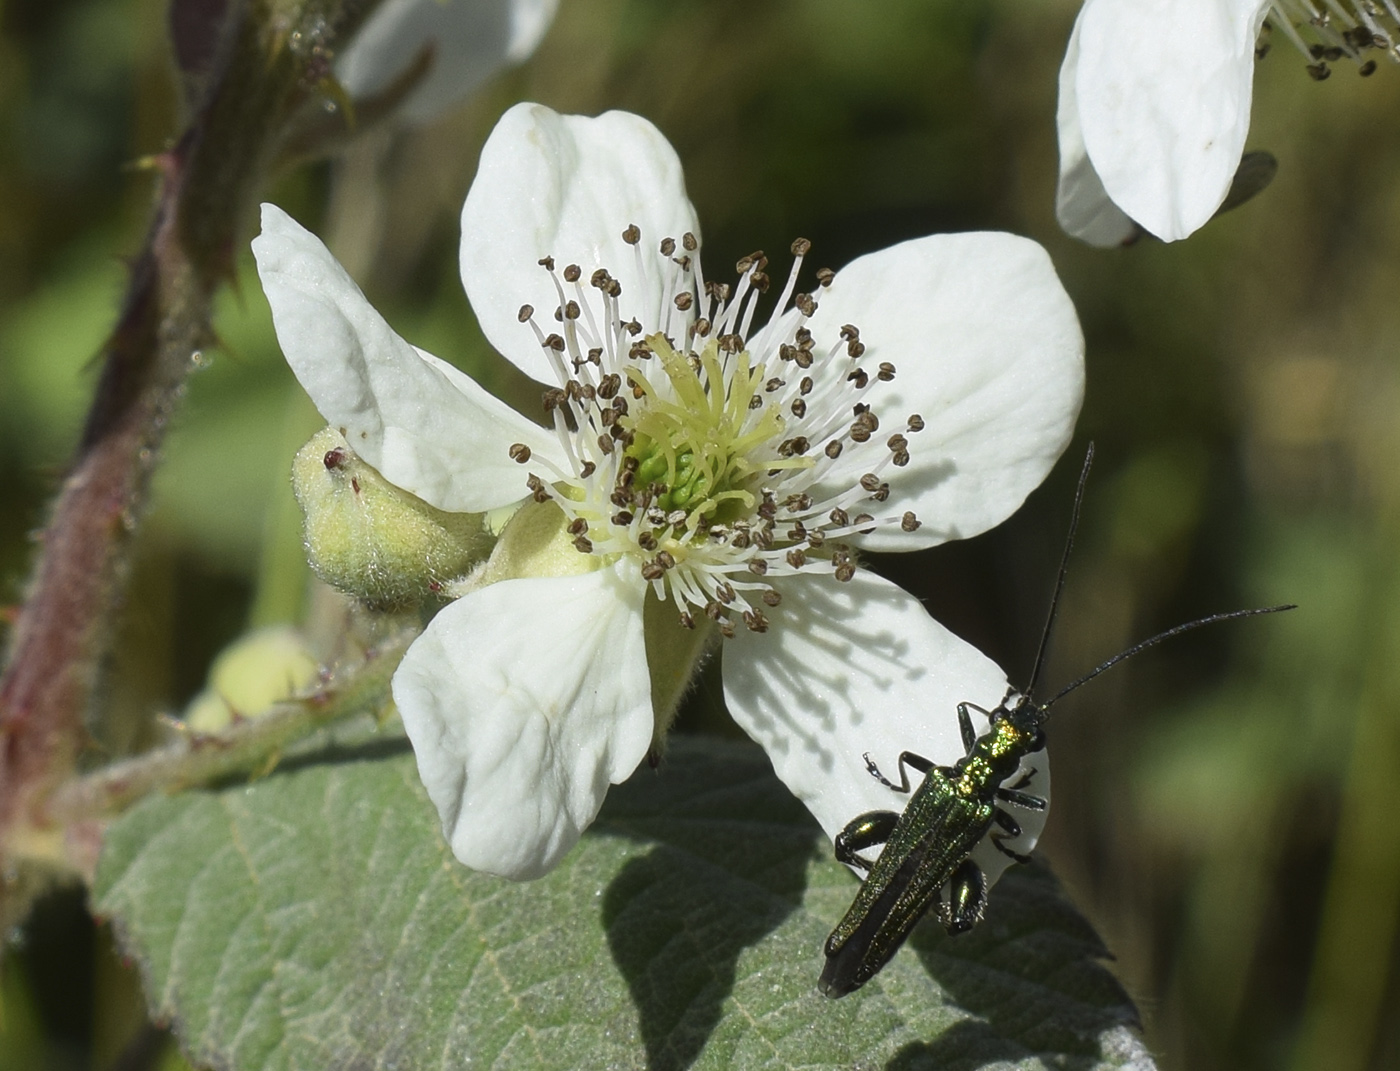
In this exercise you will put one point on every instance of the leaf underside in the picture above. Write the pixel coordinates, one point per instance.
(315, 919)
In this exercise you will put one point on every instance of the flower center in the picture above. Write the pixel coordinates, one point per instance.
(1326, 31)
(717, 459)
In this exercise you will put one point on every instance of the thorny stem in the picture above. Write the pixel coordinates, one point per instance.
(263, 71)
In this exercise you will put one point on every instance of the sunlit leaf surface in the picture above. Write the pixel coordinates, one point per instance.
(316, 919)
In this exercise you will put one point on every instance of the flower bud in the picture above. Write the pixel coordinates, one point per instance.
(254, 672)
(372, 540)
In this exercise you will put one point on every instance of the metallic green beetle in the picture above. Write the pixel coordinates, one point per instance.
(928, 846)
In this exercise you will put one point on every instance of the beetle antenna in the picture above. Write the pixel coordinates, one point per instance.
(1064, 570)
(1154, 640)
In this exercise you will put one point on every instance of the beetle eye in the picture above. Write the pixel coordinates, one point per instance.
(1038, 741)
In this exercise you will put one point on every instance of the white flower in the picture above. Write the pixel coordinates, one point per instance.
(1155, 97)
(700, 472)
(468, 41)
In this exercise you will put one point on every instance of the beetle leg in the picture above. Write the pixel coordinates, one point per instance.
(998, 842)
(1021, 799)
(864, 831)
(969, 737)
(906, 758)
(967, 899)
(1008, 823)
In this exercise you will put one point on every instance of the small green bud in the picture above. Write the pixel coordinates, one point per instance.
(373, 540)
(254, 672)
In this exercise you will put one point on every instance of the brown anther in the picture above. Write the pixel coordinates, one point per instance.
(684, 301)
(850, 332)
(1367, 69)
(761, 281)
(665, 560)
(869, 481)
(334, 459)
(571, 311)
(583, 545)
(910, 523)
(640, 351)
(547, 263)
(605, 444)
(731, 343)
(726, 628)
(863, 518)
(552, 399)
(686, 619)
(758, 566)
(916, 422)
(833, 449)
(825, 276)
(756, 402)
(901, 458)
(668, 246)
(620, 404)
(767, 509)
(815, 538)
(518, 452)
(771, 597)
(578, 526)
(805, 387)
(1318, 72)
(652, 571)
(855, 350)
(859, 378)
(572, 273)
(689, 242)
(796, 558)
(555, 342)
(801, 247)
(702, 327)
(839, 517)
(859, 433)
(898, 442)
(622, 518)
(845, 571)
(632, 235)
(773, 384)
(725, 593)
(886, 372)
(608, 417)
(740, 539)
(805, 304)
(881, 493)
(526, 311)
(608, 385)
(599, 278)
(713, 610)
(802, 358)
(755, 621)
(588, 470)
(355, 484)
(799, 408)
(763, 537)
(614, 288)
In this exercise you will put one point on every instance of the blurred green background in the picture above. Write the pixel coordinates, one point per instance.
(1224, 807)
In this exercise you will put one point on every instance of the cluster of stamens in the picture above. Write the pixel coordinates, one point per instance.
(703, 450)
(1326, 31)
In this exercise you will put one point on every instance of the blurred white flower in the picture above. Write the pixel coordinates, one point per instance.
(470, 40)
(1155, 98)
(701, 476)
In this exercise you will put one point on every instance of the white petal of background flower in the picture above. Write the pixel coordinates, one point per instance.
(567, 186)
(987, 349)
(1082, 205)
(425, 426)
(524, 701)
(1164, 88)
(470, 41)
(854, 668)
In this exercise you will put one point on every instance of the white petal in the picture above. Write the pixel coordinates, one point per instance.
(987, 349)
(1163, 88)
(1082, 205)
(424, 425)
(524, 701)
(470, 41)
(856, 668)
(567, 186)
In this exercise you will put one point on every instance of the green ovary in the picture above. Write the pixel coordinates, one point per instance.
(695, 447)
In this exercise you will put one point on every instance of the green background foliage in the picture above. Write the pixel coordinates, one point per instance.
(1222, 805)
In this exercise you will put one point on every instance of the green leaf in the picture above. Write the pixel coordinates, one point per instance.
(315, 919)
